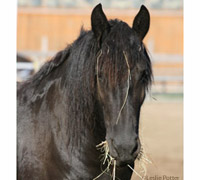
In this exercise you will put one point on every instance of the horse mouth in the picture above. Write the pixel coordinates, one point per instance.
(110, 158)
(125, 163)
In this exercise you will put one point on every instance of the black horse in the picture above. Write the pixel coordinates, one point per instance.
(90, 92)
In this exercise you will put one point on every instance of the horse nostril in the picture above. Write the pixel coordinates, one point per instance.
(135, 148)
(124, 150)
(114, 149)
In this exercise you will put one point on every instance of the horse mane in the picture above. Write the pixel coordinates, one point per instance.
(49, 66)
(148, 78)
(57, 60)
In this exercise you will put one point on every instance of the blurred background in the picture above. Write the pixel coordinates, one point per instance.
(47, 26)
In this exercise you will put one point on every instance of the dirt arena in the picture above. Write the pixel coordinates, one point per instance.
(161, 131)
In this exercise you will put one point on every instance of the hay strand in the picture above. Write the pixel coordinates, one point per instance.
(135, 172)
(128, 85)
(103, 147)
(114, 169)
(97, 68)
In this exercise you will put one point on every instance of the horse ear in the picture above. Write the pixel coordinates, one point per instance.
(100, 25)
(141, 22)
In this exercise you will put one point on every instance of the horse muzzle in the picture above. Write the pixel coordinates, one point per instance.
(124, 153)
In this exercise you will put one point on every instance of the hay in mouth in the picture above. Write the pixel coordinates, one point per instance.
(107, 158)
(104, 149)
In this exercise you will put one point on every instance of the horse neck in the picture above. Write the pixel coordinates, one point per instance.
(83, 118)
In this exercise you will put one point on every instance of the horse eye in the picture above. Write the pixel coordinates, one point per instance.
(143, 76)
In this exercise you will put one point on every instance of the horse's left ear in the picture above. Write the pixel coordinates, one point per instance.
(100, 25)
(141, 22)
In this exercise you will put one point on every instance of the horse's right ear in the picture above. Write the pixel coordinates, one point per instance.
(100, 25)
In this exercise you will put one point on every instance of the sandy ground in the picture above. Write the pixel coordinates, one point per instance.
(161, 129)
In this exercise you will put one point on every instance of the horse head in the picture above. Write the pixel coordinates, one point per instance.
(123, 74)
